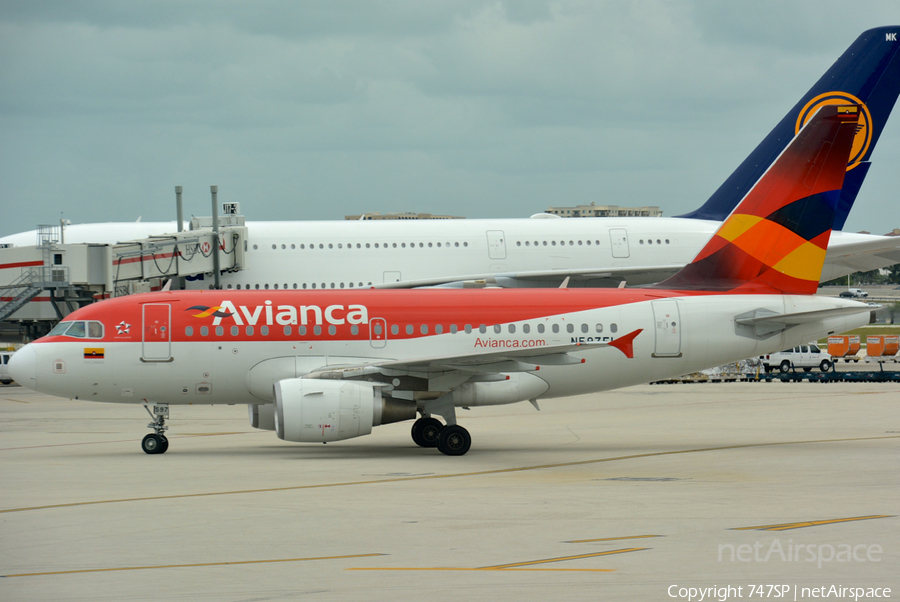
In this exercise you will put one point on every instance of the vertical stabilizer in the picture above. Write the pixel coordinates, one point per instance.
(776, 238)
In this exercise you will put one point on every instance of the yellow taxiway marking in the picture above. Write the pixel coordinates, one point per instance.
(202, 564)
(516, 566)
(15, 400)
(455, 475)
(812, 523)
(612, 538)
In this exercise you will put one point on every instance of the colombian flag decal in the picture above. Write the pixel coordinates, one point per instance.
(93, 353)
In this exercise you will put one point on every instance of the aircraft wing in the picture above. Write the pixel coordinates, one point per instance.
(849, 252)
(489, 362)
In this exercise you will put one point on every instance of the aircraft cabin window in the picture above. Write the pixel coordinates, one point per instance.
(367, 245)
(588, 242)
(293, 246)
(234, 331)
(249, 331)
(545, 243)
(465, 244)
(301, 330)
(468, 329)
(555, 328)
(204, 331)
(219, 331)
(229, 287)
(453, 329)
(584, 328)
(498, 329)
(295, 285)
(613, 327)
(438, 329)
(354, 330)
(238, 287)
(188, 331)
(553, 242)
(482, 328)
(283, 247)
(526, 328)
(264, 330)
(570, 328)
(255, 247)
(257, 287)
(599, 328)
(287, 331)
(403, 244)
(377, 328)
(342, 285)
(332, 330)
(409, 329)
(667, 241)
(579, 243)
(429, 245)
(274, 247)
(317, 330)
(395, 329)
(423, 329)
(276, 286)
(512, 328)
(540, 328)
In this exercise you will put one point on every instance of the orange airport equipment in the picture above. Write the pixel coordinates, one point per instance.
(843, 345)
(882, 345)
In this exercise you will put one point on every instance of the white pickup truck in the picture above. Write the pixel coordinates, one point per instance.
(802, 356)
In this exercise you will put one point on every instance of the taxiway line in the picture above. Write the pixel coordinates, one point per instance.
(813, 523)
(195, 565)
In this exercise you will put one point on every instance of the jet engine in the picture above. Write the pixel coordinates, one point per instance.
(312, 410)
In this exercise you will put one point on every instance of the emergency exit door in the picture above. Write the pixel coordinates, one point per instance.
(157, 334)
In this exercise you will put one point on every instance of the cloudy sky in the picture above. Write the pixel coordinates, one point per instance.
(313, 110)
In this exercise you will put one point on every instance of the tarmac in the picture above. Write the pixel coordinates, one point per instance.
(614, 496)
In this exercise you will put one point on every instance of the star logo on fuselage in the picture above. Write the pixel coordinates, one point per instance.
(123, 327)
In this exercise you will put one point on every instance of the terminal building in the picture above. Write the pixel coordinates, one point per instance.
(594, 210)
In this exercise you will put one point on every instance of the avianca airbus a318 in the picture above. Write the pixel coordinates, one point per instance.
(322, 366)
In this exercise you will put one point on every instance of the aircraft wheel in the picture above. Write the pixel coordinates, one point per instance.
(454, 441)
(426, 432)
(825, 366)
(154, 444)
(785, 367)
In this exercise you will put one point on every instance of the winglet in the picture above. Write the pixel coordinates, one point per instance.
(625, 344)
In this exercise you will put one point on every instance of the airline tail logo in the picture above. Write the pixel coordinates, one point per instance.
(206, 312)
(864, 127)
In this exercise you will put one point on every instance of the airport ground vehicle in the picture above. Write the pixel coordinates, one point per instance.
(854, 293)
(5, 356)
(806, 357)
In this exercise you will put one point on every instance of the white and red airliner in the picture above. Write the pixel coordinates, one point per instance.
(322, 366)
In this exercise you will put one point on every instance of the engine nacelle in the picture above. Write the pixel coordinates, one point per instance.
(313, 411)
(262, 416)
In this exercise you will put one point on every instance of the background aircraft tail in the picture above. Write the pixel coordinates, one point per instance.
(776, 238)
(867, 74)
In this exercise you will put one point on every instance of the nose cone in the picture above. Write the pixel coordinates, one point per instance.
(23, 367)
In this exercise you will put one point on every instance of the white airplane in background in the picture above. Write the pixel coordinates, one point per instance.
(328, 365)
(538, 253)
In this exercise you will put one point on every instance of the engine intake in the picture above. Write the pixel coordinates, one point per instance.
(315, 411)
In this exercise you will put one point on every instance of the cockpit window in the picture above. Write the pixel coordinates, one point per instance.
(59, 329)
(76, 330)
(79, 329)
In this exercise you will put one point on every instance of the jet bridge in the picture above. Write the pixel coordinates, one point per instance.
(41, 284)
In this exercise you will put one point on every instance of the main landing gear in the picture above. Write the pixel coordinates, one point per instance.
(451, 440)
(156, 443)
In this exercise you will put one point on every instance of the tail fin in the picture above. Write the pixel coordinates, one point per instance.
(775, 240)
(867, 74)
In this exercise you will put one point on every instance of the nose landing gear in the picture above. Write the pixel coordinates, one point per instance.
(156, 443)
